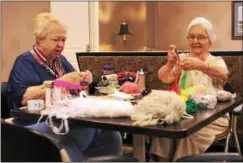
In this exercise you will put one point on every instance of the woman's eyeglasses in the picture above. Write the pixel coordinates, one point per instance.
(199, 37)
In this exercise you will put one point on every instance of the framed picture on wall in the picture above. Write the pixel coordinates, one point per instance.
(237, 21)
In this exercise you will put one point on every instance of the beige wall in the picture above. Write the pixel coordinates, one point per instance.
(172, 19)
(153, 24)
(112, 14)
(77, 29)
(16, 26)
(165, 23)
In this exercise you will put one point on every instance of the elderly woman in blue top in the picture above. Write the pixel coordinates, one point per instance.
(45, 62)
(199, 67)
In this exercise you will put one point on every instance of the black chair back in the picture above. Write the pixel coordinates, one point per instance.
(112, 158)
(22, 145)
(213, 157)
(5, 101)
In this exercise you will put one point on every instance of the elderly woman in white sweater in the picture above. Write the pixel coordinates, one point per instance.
(198, 67)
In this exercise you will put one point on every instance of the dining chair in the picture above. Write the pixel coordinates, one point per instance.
(112, 158)
(5, 104)
(232, 130)
(20, 144)
(213, 157)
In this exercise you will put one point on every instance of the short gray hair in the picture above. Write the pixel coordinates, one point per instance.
(204, 23)
(41, 23)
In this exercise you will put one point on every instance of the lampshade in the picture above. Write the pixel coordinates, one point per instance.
(124, 29)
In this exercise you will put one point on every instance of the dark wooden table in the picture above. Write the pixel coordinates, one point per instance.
(184, 128)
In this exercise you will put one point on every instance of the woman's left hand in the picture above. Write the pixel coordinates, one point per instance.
(192, 63)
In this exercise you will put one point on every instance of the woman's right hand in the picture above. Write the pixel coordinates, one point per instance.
(74, 77)
(172, 57)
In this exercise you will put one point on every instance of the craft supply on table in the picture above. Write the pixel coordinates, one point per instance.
(35, 105)
(108, 69)
(141, 81)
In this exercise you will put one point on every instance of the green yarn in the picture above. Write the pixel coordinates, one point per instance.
(182, 81)
(191, 106)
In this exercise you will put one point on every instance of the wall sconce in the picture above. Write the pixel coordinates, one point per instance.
(124, 31)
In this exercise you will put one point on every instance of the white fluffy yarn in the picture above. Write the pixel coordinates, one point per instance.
(159, 107)
(223, 95)
(208, 100)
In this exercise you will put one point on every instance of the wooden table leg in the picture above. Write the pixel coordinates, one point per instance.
(139, 147)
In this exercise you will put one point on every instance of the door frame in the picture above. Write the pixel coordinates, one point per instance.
(94, 26)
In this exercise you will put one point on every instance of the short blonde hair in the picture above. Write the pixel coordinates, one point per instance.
(204, 23)
(42, 22)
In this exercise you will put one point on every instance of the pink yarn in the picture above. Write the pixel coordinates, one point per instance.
(65, 84)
